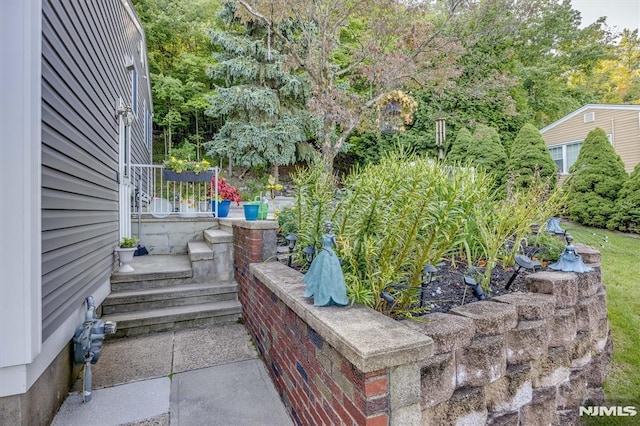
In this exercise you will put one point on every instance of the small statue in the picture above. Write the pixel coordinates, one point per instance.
(553, 225)
(569, 260)
(324, 279)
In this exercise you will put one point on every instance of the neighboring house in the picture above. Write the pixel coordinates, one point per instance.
(621, 123)
(69, 72)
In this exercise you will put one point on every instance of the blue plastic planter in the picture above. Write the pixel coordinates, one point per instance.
(251, 211)
(223, 208)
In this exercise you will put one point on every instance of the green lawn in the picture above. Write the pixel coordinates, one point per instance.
(621, 276)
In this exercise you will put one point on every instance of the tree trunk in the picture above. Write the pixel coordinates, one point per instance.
(275, 172)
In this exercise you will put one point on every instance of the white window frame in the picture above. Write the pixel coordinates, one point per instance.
(589, 117)
(565, 166)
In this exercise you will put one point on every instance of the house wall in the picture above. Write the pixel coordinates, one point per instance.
(622, 122)
(59, 182)
(84, 51)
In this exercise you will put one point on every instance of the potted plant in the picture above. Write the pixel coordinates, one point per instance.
(177, 169)
(226, 194)
(126, 249)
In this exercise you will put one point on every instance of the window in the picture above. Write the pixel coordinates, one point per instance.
(134, 91)
(572, 154)
(565, 155)
(556, 154)
(589, 117)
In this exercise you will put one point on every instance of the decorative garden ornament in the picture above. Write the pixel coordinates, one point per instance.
(553, 225)
(324, 279)
(569, 260)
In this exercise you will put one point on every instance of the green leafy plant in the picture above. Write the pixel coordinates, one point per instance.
(180, 165)
(128, 242)
(286, 218)
(314, 202)
(546, 246)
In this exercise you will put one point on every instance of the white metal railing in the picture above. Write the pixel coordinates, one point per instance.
(161, 198)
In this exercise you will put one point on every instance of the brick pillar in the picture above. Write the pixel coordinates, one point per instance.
(253, 241)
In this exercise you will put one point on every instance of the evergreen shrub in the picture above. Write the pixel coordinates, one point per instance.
(627, 209)
(530, 158)
(596, 179)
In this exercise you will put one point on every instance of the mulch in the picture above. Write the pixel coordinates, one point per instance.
(447, 289)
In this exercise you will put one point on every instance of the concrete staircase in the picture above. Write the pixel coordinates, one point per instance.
(170, 292)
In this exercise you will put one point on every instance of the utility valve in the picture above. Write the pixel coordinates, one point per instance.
(87, 340)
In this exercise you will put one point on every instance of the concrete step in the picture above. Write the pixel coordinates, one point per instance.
(153, 271)
(217, 236)
(213, 257)
(165, 297)
(175, 318)
(199, 250)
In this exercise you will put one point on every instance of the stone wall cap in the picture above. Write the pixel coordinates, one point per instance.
(368, 339)
(249, 224)
(449, 332)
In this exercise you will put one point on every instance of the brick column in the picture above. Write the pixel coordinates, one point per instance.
(253, 241)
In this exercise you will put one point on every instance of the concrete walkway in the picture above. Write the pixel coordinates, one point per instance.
(207, 376)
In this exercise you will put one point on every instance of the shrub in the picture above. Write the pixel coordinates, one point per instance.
(316, 187)
(287, 223)
(627, 209)
(530, 158)
(486, 151)
(596, 179)
(460, 146)
(399, 215)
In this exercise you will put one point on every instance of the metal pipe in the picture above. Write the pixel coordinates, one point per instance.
(87, 382)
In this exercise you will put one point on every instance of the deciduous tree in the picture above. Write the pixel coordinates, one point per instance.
(355, 51)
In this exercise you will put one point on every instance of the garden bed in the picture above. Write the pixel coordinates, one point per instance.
(520, 358)
(447, 289)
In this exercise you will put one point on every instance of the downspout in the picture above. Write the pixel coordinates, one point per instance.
(613, 133)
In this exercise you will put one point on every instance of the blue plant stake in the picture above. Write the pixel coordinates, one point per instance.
(569, 260)
(324, 279)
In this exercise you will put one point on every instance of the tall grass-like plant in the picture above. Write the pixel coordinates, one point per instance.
(500, 225)
(397, 216)
(314, 202)
(394, 217)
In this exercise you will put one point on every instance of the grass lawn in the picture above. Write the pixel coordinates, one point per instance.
(621, 276)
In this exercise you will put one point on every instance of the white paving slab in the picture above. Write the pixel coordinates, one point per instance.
(116, 405)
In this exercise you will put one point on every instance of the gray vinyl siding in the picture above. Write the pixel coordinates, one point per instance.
(84, 44)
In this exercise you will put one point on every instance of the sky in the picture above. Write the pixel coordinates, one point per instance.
(620, 13)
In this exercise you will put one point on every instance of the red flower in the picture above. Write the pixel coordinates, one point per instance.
(226, 191)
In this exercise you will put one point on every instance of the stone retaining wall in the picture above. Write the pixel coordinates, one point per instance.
(523, 358)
